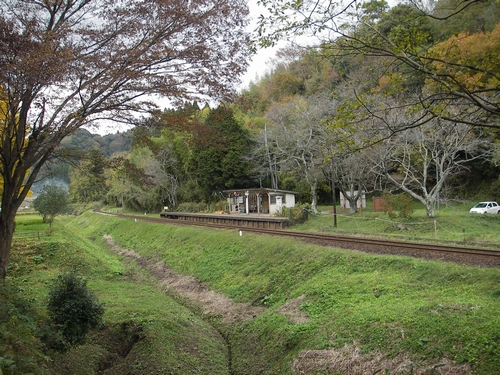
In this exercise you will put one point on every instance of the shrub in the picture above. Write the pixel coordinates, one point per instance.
(297, 214)
(219, 206)
(73, 308)
(401, 204)
(192, 207)
(20, 349)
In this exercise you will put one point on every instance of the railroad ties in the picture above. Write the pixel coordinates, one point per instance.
(236, 220)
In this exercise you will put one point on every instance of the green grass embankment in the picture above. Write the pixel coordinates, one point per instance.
(144, 331)
(394, 307)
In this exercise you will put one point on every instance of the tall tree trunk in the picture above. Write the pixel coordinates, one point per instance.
(14, 192)
(314, 197)
(352, 198)
(430, 206)
(272, 167)
(353, 203)
(7, 225)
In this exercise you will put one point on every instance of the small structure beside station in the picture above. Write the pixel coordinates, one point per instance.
(259, 201)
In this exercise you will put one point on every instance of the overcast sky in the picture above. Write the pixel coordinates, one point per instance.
(260, 63)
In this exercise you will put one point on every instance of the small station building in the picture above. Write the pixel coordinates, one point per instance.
(259, 201)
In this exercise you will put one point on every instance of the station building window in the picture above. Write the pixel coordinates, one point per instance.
(272, 199)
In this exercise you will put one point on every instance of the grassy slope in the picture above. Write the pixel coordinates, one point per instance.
(382, 303)
(137, 312)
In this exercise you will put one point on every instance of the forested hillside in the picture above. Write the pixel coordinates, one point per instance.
(108, 144)
(78, 148)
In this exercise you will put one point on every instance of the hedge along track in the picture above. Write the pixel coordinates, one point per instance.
(459, 254)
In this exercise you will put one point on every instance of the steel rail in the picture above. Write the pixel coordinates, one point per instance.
(337, 240)
(392, 243)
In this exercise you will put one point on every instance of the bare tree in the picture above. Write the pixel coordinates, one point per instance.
(354, 175)
(420, 160)
(263, 158)
(161, 172)
(67, 63)
(299, 138)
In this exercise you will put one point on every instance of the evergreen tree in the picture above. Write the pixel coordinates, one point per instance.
(217, 161)
(73, 308)
(87, 180)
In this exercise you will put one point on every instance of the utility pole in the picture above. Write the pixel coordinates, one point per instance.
(334, 197)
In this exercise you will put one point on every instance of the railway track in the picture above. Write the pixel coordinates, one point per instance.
(460, 254)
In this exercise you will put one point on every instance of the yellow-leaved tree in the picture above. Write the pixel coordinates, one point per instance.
(468, 63)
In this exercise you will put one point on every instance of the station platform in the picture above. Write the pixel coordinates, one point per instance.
(236, 220)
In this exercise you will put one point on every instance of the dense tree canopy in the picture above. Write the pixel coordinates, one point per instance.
(187, 154)
(88, 181)
(217, 161)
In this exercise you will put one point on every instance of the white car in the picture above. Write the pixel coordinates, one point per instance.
(485, 208)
